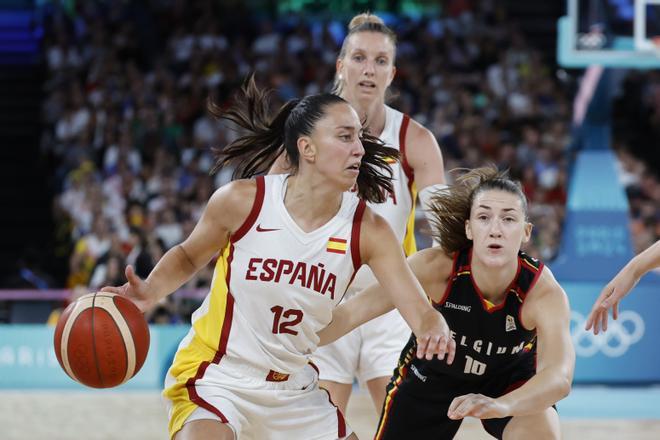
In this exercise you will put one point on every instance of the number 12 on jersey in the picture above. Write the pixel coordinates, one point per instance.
(285, 319)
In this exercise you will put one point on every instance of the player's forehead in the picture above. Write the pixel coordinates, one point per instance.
(339, 116)
(370, 42)
(497, 200)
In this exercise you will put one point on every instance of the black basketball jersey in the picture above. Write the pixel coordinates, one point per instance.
(490, 339)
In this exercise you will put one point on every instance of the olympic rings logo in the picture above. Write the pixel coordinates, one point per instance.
(615, 342)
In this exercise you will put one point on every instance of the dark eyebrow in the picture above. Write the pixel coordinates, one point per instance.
(489, 208)
(379, 54)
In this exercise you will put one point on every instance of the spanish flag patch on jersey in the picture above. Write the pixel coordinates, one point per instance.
(336, 245)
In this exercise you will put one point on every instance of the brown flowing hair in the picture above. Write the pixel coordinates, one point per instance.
(265, 138)
(451, 206)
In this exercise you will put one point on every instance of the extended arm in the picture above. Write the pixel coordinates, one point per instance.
(620, 286)
(224, 212)
(431, 267)
(370, 303)
(381, 250)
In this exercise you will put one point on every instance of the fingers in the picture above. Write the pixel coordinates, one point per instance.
(422, 343)
(464, 407)
(451, 351)
(432, 345)
(615, 310)
(440, 348)
(451, 413)
(597, 318)
(590, 321)
(603, 320)
(112, 289)
(130, 275)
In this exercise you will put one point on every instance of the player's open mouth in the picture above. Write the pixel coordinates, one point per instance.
(367, 84)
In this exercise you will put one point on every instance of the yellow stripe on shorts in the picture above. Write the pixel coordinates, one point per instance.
(203, 347)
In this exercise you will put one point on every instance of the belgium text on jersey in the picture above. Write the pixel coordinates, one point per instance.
(479, 344)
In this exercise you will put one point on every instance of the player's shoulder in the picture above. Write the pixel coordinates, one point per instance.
(233, 201)
(373, 221)
(237, 191)
(418, 133)
(432, 264)
(547, 289)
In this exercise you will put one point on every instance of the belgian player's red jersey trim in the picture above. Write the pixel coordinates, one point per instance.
(484, 302)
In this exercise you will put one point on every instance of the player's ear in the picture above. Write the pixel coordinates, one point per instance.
(527, 233)
(307, 149)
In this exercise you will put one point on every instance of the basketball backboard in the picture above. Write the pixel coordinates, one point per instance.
(610, 33)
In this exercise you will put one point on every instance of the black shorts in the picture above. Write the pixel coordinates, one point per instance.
(416, 408)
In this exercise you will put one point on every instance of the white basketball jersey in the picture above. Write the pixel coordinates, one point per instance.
(276, 285)
(399, 208)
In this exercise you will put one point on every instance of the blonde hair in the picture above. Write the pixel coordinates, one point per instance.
(364, 22)
(452, 206)
(365, 17)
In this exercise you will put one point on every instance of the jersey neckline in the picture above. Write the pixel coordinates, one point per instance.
(278, 192)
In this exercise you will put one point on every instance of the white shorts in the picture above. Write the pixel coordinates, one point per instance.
(368, 352)
(239, 395)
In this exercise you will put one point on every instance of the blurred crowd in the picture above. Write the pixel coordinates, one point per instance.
(129, 138)
(637, 133)
(643, 188)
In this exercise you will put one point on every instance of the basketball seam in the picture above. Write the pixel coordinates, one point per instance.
(127, 336)
(96, 358)
(64, 343)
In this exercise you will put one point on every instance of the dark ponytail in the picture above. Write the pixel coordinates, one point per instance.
(452, 206)
(266, 139)
(375, 179)
(254, 152)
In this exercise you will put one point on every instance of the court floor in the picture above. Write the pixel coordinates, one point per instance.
(588, 414)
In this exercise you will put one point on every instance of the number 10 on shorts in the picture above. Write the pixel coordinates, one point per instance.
(474, 367)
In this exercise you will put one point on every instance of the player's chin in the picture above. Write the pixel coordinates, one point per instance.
(349, 180)
(497, 259)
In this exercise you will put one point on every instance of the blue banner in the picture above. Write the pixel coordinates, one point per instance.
(596, 239)
(27, 358)
(628, 351)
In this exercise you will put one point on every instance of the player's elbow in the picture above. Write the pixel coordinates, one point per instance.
(564, 382)
(564, 387)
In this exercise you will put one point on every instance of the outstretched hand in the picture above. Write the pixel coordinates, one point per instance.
(434, 337)
(610, 297)
(135, 289)
(476, 405)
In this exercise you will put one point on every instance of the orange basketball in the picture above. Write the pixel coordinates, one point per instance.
(101, 340)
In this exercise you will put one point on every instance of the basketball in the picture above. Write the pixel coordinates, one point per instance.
(101, 340)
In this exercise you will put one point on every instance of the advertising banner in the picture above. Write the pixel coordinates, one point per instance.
(27, 358)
